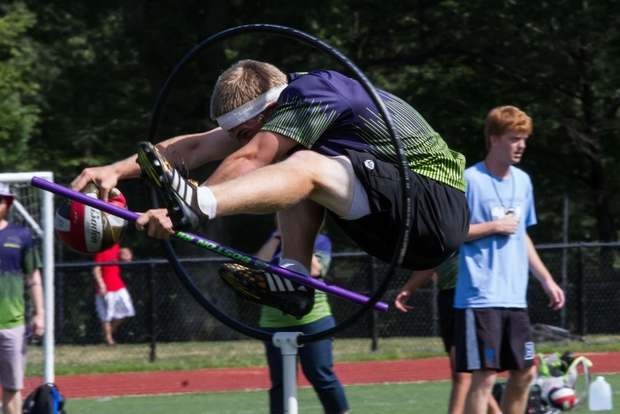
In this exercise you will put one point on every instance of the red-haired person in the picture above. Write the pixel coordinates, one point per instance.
(492, 332)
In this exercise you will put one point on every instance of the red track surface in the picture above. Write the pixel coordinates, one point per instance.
(210, 380)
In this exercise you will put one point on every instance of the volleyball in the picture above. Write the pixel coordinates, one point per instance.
(87, 230)
(562, 397)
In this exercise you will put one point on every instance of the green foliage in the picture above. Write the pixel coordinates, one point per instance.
(77, 87)
(96, 98)
(429, 397)
(456, 61)
(19, 88)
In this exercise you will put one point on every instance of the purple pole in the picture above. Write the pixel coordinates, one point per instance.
(209, 245)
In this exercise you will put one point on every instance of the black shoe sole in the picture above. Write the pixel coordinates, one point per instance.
(155, 170)
(252, 285)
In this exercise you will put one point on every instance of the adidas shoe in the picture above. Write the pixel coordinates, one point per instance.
(268, 289)
(177, 192)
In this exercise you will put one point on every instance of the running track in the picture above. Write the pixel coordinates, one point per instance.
(212, 380)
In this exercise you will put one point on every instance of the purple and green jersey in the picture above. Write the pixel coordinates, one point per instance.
(329, 113)
(18, 257)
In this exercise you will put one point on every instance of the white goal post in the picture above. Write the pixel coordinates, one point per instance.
(34, 208)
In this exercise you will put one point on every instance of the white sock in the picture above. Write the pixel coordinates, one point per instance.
(294, 265)
(206, 201)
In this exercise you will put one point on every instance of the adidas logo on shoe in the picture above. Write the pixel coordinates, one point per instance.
(268, 289)
(178, 193)
(280, 284)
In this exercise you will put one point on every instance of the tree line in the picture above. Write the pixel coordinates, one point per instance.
(78, 79)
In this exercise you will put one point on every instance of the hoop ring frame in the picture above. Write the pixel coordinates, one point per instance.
(403, 236)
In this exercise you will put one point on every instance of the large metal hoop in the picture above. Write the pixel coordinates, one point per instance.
(402, 164)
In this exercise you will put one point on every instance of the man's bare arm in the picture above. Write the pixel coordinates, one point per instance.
(539, 270)
(418, 279)
(35, 289)
(194, 149)
(264, 149)
(97, 274)
(506, 225)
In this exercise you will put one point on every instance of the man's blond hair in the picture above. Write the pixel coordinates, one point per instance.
(242, 82)
(506, 118)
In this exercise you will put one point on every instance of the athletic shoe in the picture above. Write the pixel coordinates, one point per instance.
(268, 289)
(177, 192)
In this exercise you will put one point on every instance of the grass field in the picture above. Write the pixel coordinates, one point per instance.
(427, 398)
(70, 360)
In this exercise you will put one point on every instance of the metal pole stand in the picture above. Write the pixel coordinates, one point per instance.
(287, 342)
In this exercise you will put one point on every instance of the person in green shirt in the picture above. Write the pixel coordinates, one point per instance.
(316, 358)
(19, 263)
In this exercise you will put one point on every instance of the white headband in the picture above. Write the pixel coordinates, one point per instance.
(249, 109)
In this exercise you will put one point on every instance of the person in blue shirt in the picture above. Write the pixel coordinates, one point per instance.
(492, 331)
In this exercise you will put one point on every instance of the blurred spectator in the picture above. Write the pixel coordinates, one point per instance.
(492, 331)
(112, 299)
(316, 358)
(19, 264)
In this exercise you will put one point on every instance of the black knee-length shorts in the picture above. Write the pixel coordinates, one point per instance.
(439, 215)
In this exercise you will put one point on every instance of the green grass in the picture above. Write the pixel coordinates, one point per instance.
(90, 359)
(374, 399)
(427, 397)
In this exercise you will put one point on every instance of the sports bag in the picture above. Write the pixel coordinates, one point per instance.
(45, 399)
(564, 371)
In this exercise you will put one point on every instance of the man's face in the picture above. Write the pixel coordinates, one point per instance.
(510, 146)
(124, 255)
(4, 207)
(246, 131)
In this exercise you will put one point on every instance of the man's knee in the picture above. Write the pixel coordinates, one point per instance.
(330, 181)
(305, 158)
(9, 393)
(306, 164)
(483, 379)
(461, 378)
(318, 164)
(523, 378)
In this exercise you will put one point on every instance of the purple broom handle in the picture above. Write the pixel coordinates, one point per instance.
(209, 245)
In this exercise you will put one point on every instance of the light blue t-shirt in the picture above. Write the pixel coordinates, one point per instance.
(494, 269)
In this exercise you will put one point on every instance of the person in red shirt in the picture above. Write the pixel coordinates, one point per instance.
(111, 296)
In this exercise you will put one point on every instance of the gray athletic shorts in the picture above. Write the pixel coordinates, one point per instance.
(13, 357)
(114, 305)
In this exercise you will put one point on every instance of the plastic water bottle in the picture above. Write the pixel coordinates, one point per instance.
(599, 398)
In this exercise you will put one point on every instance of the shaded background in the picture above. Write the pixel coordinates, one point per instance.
(79, 79)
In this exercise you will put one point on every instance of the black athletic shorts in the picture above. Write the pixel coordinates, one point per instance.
(446, 311)
(493, 338)
(439, 215)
